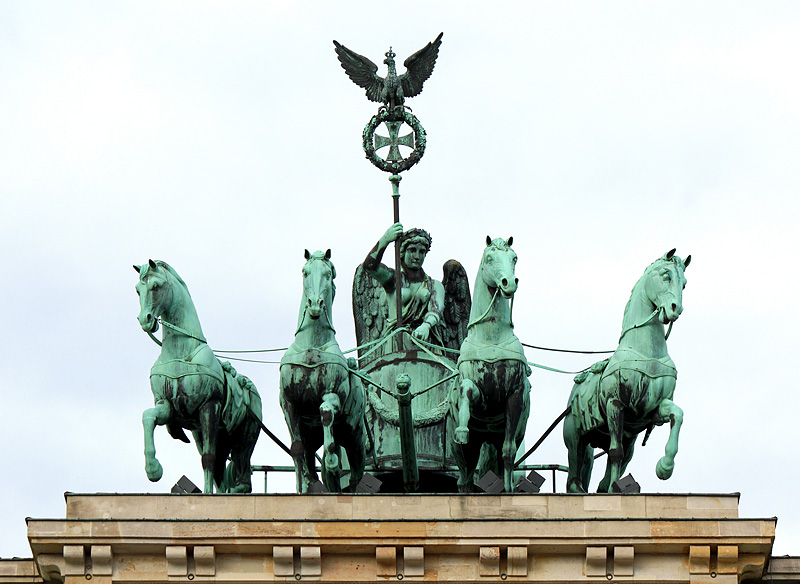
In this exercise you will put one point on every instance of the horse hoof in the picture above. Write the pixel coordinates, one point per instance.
(154, 471)
(331, 462)
(664, 469)
(462, 435)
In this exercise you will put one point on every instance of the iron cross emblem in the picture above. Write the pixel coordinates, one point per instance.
(393, 141)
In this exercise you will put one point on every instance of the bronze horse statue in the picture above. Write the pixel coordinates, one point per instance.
(631, 392)
(491, 402)
(322, 401)
(192, 389)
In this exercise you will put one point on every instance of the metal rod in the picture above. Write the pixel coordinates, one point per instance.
(545, 435)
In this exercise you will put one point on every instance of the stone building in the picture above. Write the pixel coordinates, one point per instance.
(653, 538)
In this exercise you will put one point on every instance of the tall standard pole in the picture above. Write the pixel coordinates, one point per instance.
(398, 277)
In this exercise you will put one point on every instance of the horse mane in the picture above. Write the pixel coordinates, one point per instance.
(499, 243)
(171, 270)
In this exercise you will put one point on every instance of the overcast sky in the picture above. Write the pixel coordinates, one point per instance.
(225, 141)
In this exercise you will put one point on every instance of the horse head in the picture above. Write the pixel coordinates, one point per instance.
(155, 294)
(318, 286)
(497, 266)
(664, 282)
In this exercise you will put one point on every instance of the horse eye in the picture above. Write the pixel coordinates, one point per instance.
(514, 260)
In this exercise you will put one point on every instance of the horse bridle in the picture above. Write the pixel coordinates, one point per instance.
(171, 326)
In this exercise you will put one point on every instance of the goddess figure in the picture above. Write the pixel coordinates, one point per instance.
(422, 296)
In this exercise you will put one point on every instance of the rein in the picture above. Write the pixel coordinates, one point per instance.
(474, 322)
(644, 322)
(178, 330)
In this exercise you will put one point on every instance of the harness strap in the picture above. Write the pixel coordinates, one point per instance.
(641, 324)
(182, 331)
(474, 322)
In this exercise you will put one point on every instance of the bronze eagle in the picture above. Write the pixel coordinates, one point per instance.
(393, 89)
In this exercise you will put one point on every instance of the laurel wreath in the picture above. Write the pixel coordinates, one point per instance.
(369, 140)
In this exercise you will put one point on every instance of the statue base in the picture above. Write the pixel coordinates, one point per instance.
(696, 539)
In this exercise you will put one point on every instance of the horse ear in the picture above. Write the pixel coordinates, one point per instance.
(152, 264)
(328, 254)
(488, 240)
(686, 261)
(308, 255)
(510, 241)
(137, 268)
(669, 254)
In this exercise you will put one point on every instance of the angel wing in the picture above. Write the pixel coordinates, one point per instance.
(457, 303)
(361, 71)
(370, 308)
(419, 67)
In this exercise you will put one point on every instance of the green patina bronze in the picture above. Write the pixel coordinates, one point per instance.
(392, 92)
(631, 392)
(322, 400)
(491, 403)
(192, 389)
(408, 404)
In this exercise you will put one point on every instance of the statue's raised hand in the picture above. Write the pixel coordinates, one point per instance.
(391, 234)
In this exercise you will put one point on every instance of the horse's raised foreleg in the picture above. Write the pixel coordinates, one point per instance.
(209, 426)
(331, 406)
(668, 411)
(469, 394)
(152, 417)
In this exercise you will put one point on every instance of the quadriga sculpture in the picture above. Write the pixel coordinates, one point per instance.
(491, 402)
(323, 403)
(618, 398)
(192, 389)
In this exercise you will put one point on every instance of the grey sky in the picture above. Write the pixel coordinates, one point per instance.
(227, 140)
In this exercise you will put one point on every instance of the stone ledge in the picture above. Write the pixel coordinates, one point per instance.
(18, 571)
(417, 507)
(545, 539)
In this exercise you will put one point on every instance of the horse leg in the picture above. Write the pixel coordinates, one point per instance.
(209, 426)
(627, 454)
(513, 415)
(302, 470)
(576, 455)
(331, 406)
(667, 410)
(615, 451)
(469, 394)
(152, 417)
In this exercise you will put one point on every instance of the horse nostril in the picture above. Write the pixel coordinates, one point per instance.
(504, 283)
(516, 280)
(674, 307)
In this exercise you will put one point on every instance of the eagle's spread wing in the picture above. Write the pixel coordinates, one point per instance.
(419, 67)
(362, 71)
